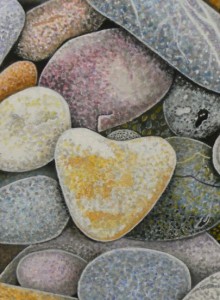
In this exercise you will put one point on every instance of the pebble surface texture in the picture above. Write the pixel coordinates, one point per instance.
(208, 289)
(200, 253)
(110, 186)
(123, 135)
(17, 77)
(52, 23)
(192, 111)
(190, 204)
(166, 32)
(134, 273)
(53, 271)
(216, 155)
(32, 211)
(10, 292)
(12, 18)
(33, 121)
(107, 77)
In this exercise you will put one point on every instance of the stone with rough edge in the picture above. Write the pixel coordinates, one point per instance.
(12, 18)
(134, 273)
(166, 32)
(17, 77)
(32, 211)
(52, 23)
(190, 204)
(208, 289)
(191, 111)
(110, 186)
(200, 253)
(107, 78)
(123, 135)
(33, 121)
(10, 292)
(53, 271)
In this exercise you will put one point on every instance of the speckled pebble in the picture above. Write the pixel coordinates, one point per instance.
(190, 204)
(17, 77)
(33, 121)
(178, 33)
(10, 292)
(134, 273)
(208, 289)
(52, 23)
(107, 77)
(53, 271)
(192, 111)
(123, 135)
(12, 18)
(32, 211)
(110, 186)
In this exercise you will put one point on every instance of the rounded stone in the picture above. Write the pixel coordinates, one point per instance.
(123, 135)
(17, 77)
(32, 122)
(107, 77)
(53, 271)
(32, 211)
(134, 273)
(49, 25)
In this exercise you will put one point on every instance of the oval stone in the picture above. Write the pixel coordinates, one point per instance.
(12, 18)
(32, 211)
(134, 273)
(17, 77)
(107, 78)
(110, 186)
(49, 25)
(32, 123)
(52, 271)
(192, 111)
(123, 135)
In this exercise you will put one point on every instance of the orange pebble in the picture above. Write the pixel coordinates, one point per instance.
(17, 77)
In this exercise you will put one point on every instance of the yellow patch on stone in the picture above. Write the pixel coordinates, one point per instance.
(17, 77)
(10, 292)
(111, 186)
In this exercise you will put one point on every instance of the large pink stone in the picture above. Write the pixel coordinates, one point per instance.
(107, 78)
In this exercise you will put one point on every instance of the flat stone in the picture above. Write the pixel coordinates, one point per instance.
(32, 123)
(17, 77)
(190, 204)
(192, 111)
(110, 186)
(200, 253)
(32, 211)
(134, 273)
(209, 288)
(107, 77)
(53, 271)
(12, 18)
(123, 135)
(10, 292)
(166, 32)
(49, 25)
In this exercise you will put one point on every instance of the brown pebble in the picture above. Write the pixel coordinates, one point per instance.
(17, 77)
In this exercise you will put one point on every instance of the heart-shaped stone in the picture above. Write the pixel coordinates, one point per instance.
(110, 186)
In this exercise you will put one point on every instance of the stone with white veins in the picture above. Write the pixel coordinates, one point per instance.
(33, 121)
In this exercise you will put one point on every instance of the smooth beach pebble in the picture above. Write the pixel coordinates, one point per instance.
(110, 186)
(52, 23)
(123, 135)
(201, 253)
(12, 18)
(33, 121)
(17, 77)
(52, 271)
(134, 273)
(107, 77)
(10, 292)
(190, 204)
(208, 289)
(32, 211)
(166, 32)
(192, 111)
